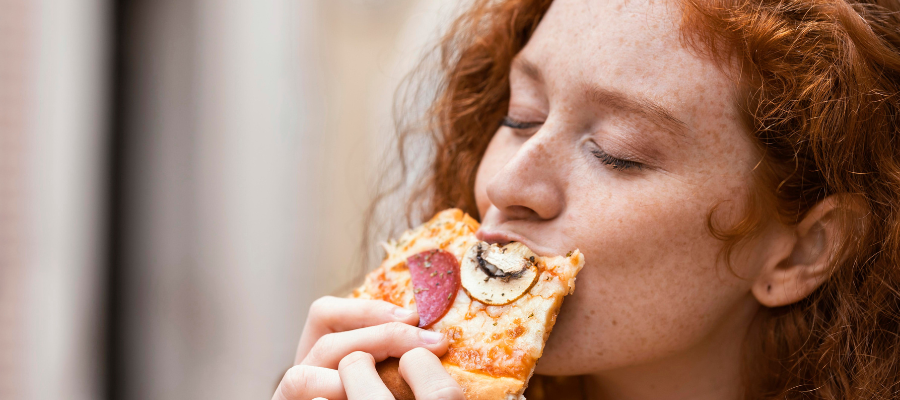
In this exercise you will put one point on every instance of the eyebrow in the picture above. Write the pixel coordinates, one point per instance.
(646, 108)
(528, 67)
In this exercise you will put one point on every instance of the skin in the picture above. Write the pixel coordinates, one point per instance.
(621, 143)
(654, 300)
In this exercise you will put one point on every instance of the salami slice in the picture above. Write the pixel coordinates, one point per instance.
(435, 279)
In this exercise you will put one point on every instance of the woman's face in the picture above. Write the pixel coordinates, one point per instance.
(622, 141)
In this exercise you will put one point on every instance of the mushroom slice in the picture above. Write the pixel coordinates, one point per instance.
(497, 275)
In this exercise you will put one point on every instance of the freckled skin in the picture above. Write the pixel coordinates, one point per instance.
(656, 314)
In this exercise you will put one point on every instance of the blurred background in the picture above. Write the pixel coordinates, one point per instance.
(179, 179)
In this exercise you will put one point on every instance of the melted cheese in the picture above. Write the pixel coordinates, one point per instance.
(502, 341)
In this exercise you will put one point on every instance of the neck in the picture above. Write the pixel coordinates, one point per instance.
(710, 370)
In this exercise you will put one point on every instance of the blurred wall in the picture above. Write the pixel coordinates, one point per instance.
(13, 135)
(53, 103)
(223, 120)
(61, 205)
(249, 161)
(251, 135)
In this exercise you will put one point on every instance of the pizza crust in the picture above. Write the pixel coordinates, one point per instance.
(493, 349)
(478, 386)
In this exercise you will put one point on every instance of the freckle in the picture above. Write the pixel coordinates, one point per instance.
(599, 354)
(614, 322)
(592, 312)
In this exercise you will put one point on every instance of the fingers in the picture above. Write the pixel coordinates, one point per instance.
(304, 382)
(333, 314)
(361, 381)
(422, 370)
(382, 341)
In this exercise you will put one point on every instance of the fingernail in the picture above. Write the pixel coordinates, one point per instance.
(402, 313)
(431, 337)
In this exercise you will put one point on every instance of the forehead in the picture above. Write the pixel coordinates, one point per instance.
(633, 47)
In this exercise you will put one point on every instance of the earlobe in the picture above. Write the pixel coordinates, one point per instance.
(801, 259)
(775, 274)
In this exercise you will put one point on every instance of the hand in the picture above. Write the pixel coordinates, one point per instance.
(344, 338)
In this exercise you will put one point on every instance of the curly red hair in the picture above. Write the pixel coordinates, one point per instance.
(821, 85)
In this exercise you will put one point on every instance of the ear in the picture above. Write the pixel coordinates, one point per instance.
(803, 255)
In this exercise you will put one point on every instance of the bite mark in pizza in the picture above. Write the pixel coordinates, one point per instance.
(495, 342)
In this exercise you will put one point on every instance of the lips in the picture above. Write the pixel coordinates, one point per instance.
(496, 236)
(545, 238)
(502, 237)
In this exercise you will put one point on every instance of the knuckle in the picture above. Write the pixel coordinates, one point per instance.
(327, 340)
(296, 382)
(321, 346)
(411, 359)
(419, 353)
(320, 306)
(396, 330)
(438, 385)
(445, 392)
(356, 358)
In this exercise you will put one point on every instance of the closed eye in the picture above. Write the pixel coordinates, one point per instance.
(516, 124)
(616, 163)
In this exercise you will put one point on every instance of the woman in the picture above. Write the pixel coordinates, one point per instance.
(730, 171)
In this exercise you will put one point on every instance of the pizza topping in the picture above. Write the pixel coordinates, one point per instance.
(498, 275)
(434, 292)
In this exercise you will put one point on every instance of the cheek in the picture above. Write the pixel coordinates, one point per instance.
(652, 285)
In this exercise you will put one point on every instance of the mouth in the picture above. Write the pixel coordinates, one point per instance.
(498, 237)
(503, 238)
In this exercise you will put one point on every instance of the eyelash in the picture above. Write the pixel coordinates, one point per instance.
(605, 158)
(616, 163)
(509, 122)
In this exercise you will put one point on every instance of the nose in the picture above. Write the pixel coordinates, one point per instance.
(530, 186)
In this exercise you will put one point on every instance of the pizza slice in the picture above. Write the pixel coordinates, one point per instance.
(496, 304)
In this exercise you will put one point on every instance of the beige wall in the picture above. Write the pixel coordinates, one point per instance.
(254, 128)
(53, 138)
(255, 124)
(368, 48)
(13, 137)
(358, 42)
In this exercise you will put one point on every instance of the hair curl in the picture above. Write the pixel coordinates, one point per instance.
(821, 86)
